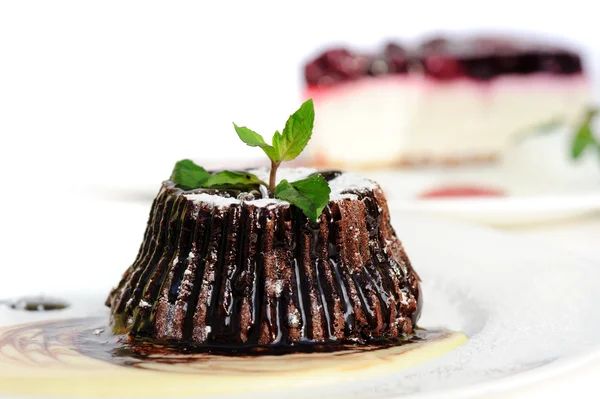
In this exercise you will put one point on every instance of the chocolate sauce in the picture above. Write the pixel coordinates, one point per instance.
(61, 345)
(93, 338)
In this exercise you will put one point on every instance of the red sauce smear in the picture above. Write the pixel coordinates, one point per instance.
(461, 191)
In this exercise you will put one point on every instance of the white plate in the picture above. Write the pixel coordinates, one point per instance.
(530, 312)
(525, 200)
(539, 181)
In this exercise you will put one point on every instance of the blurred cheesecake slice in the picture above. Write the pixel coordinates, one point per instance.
(443, 102)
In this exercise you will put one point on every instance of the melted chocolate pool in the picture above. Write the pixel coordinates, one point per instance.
(81, 357)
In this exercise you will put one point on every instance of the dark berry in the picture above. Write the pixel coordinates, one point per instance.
(505, 63)
(344, 63)
(480, 68)
(334, 66)
(569, 63)
(549, 63)
(436, 44)
(442, 67)
(398, 65)
(394, 49)
(330, 79)
(528, 63)
(313, 73)
(396, 58)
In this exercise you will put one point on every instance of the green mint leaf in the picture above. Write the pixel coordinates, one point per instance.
(233, 180)
(254, 139)
(296, 133)
(310, 194)
(277, 144)
(584, 138)
(187, 175)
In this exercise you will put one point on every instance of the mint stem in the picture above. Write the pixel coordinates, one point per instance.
(272, 175)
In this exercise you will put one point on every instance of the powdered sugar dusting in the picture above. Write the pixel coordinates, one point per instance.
(339, 185)
(349, 182)
(143, 304)
(266, 202)
(211, 199)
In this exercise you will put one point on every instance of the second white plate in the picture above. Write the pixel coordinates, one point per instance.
(536, 181)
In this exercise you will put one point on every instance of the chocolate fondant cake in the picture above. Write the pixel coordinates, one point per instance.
(229, 268)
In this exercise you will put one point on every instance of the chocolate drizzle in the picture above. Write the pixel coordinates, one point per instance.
(242, 275)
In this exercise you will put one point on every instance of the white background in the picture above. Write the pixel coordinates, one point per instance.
(116, 91)
(104, 94)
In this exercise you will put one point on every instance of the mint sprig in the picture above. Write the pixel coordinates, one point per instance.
(284, 146)
(310, 194)
(583, 134)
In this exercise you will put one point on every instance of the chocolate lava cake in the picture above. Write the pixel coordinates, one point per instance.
(239, 269)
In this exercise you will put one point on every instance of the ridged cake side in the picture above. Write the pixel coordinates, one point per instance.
(243, 274)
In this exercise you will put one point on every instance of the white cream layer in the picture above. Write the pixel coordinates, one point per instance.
(380, 120)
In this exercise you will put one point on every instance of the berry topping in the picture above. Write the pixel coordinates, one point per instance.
(437, 44)
(480, 58)
(506, 64)
(336, 65)
(396, 58)
(527, 63)
(313, 73)
(442, 67)
(394, 49)
(345, 63)
(549, 63)
(480, 68)
(569, 63)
